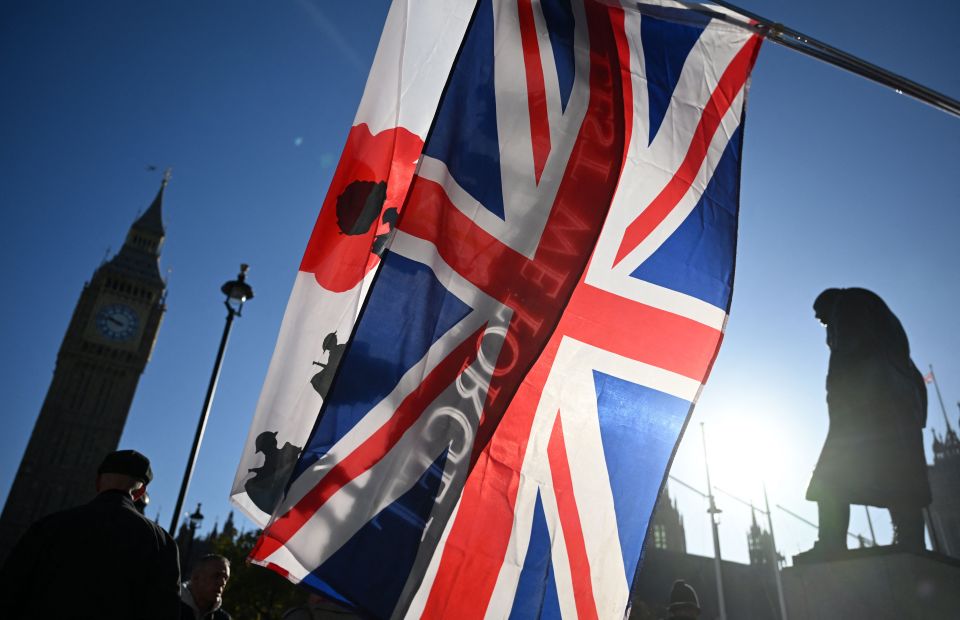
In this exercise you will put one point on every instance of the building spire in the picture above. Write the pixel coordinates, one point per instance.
(140, 254)
(151, 222)
(933, 379)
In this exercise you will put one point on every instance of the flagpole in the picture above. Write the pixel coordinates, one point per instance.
(713, 510)
(936, 386)
(928, 518)
(811, 523)
(790, 38)
(774, 558)
(873, 536)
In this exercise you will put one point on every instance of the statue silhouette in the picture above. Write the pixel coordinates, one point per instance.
(877, 403)
(321, 381)
(381, 241)
(267, 485)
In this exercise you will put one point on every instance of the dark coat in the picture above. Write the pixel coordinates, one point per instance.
(102, 560)
(877, 401)
(187, 613)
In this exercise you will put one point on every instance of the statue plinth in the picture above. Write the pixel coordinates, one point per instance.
(876, 583)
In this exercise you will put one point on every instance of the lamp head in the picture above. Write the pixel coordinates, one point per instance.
(196, 518)
(237, 291)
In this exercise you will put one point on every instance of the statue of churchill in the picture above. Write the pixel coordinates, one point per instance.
(877, 403)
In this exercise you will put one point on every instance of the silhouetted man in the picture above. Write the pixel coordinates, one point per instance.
(101, 560)
(877, 402)
(202, 596)
(683, 601)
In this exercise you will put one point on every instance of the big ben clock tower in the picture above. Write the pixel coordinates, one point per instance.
(104, 352)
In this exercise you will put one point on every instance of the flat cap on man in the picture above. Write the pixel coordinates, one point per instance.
(127, 462)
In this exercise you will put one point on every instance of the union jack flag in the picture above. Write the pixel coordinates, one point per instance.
(554, 296)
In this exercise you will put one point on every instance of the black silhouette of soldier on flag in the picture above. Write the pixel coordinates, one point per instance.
(358, 207)
(269, 480)
(321, 381)
(380, 242)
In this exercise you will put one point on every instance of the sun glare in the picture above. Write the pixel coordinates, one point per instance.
(746, 452)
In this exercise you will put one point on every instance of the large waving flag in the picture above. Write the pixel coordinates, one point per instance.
(416, 51)
(547, 313)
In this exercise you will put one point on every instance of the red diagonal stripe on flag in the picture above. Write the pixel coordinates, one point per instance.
(570, 522)
(468, 249)
(617, 20)
(536, 91)
(732, 80)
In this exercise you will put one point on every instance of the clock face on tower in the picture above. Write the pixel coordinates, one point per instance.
(117, 322)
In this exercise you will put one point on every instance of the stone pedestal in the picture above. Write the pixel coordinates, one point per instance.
(876, 583)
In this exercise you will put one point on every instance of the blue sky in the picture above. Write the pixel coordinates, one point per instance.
(844, 183)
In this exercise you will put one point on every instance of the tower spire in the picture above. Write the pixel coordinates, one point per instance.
(936, 386)
(151, 222)
(139, 257)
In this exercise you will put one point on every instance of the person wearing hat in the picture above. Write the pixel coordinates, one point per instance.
(100, 560)
(683, 601)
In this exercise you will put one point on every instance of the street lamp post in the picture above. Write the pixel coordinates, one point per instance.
(774, 558)
(714, 511)
(237, 292)
(186, 560)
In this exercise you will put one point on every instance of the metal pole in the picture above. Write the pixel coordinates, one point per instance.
(684, 484)
(737, 499)
(774, 559)
(787, 37)
(811, 523)
(207, 402)
(873, 535)
(936, 386)
(799, 518)
(713, 510)
(931, 528)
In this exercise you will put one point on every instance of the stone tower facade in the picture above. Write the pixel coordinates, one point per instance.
(666, 528)
(105, 350)
(944, 512)
(760, 544)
